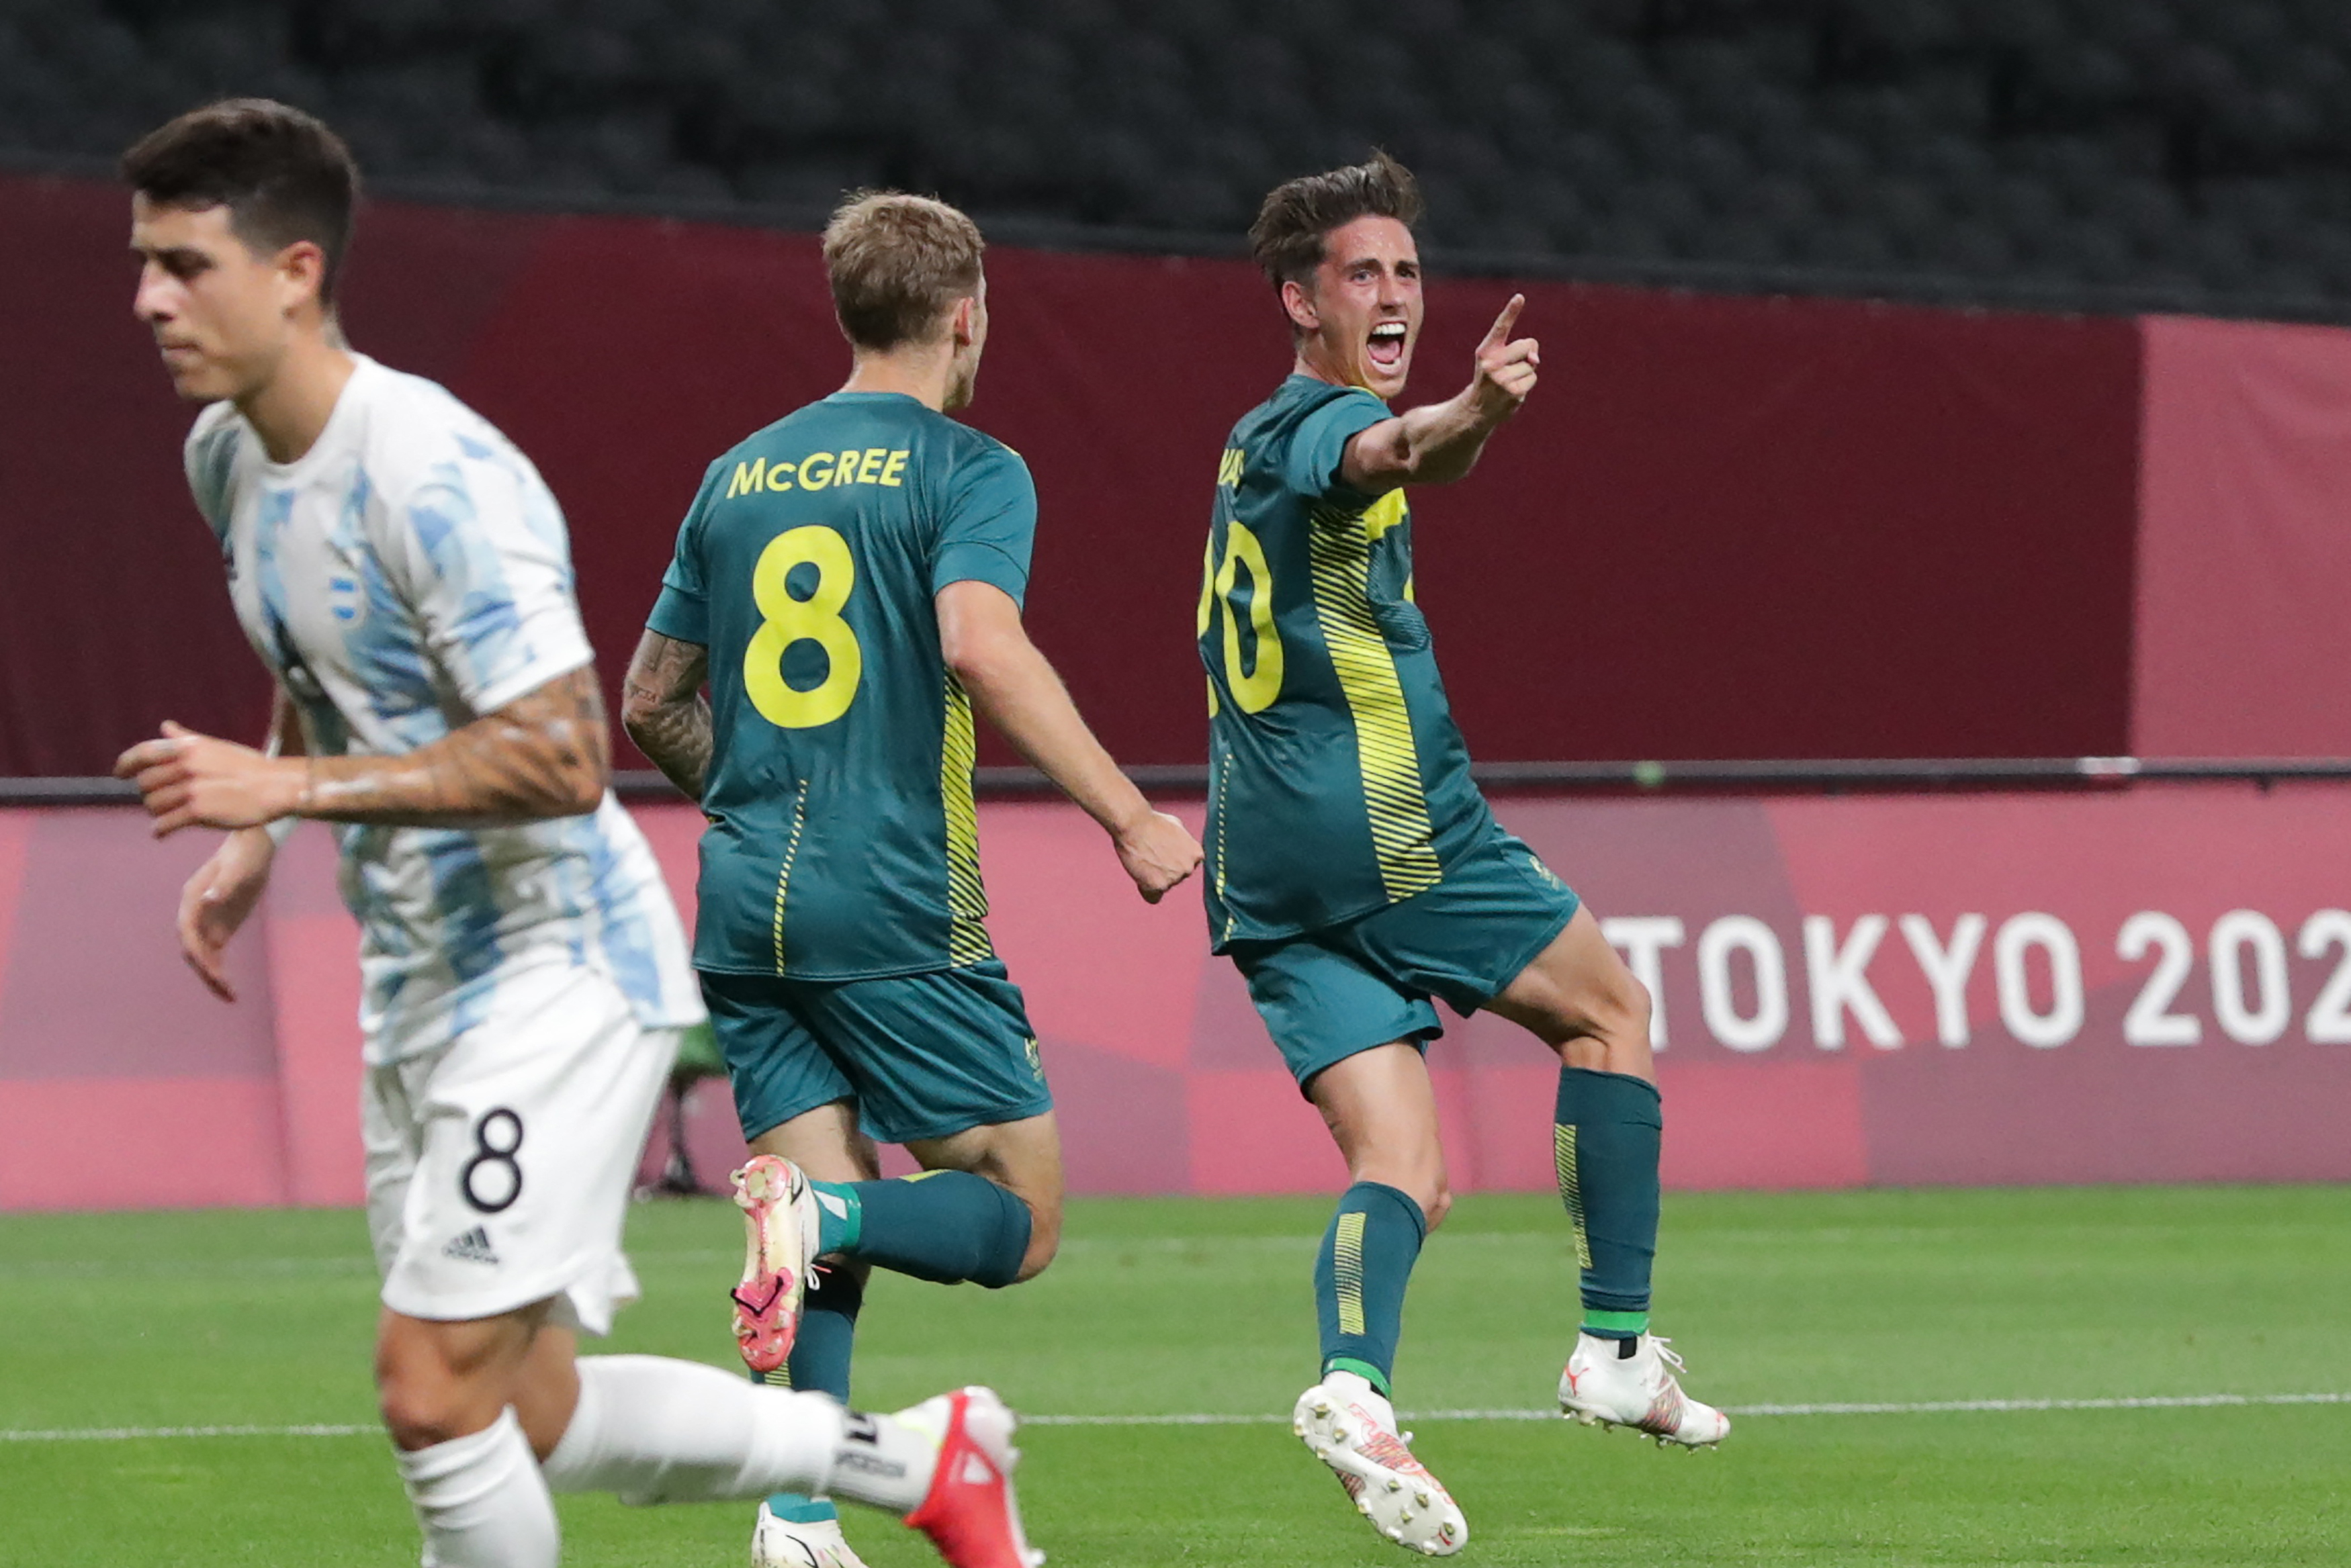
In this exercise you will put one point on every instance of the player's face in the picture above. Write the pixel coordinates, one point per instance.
(1363, 316)
(222, 316)
(969, 329)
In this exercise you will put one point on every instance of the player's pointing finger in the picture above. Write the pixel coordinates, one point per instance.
(1503, 323)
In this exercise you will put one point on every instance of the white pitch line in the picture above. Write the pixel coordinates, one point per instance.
(2143, 1402)
(1215, 1418)
(138, 1434)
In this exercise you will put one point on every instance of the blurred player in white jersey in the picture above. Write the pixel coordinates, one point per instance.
(404, 573)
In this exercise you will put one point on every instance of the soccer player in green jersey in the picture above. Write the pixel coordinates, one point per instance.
(1354, 870)
(849, 581)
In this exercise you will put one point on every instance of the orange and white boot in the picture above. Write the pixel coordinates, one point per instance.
(1352, 1428)
(1601, 1387)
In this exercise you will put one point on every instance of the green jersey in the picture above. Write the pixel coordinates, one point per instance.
(1338, 782)
(843, 842)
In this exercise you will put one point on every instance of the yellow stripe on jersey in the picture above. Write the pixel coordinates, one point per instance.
(784, 872)
(1340, 547)
(1216, 771)
(966, 897)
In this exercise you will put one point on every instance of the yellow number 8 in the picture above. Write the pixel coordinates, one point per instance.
(816, 618)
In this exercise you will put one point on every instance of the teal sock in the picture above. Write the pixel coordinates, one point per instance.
(841, 1215)
(1360, 1276)
(820, 1365)
(1607, 1135)
(948, 1226)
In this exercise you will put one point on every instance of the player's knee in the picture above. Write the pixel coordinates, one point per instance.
(1044, 1237)
(1044, 1245)
(1437, 1203)
(422, 1405)
(1630, 1006)
(433, 1384)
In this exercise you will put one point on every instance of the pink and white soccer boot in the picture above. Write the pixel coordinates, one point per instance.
(1352, 1428)
(970, 1512)
(1601, 1389)
(779, 1213)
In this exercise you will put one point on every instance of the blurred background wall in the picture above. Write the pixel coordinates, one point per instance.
(1922, 378)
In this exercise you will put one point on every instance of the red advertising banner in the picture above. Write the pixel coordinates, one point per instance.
(1723, 527)
(2150, 985)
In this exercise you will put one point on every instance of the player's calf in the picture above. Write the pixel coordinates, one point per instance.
(652, 1430)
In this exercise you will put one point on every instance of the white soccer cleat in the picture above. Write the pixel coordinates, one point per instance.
(779, 1218)
(1354, 1433)
(815, 1544)
(1601, 1389)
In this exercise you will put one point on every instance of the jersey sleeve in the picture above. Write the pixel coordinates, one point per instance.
(682, 613)
(1318, 445)
(485, 567)
(990, 524)
(210, 458)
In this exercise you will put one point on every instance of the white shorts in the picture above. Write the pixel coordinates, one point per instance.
(499, 1167)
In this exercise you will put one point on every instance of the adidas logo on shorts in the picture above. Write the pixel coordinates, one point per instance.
(472, 1247)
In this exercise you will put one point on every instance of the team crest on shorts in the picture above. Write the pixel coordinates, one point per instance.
(1036, 1060)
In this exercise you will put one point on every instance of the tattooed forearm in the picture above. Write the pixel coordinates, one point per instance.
(662, 709)
(546, 754)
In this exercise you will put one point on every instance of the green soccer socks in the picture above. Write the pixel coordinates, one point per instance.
(1606, 1137)
(945, 1226)
(1360, 1276)
(820, 1365)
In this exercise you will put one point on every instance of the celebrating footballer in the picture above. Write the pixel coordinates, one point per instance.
(1355, 871)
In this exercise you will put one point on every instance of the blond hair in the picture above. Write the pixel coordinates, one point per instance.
(897, 262)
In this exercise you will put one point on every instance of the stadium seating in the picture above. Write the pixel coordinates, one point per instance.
(2176, 153)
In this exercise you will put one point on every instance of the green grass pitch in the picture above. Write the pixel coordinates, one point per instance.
(1172, 1306)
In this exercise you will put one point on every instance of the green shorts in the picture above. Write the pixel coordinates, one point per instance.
(1329, 993)
(920, 1056)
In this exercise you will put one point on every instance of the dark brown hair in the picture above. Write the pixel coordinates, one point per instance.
(896, 263)
(1287, 238)
(281, 173)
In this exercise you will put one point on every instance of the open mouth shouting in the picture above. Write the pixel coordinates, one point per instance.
(1385, 347)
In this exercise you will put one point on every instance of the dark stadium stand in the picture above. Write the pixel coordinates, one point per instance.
(2182, 154)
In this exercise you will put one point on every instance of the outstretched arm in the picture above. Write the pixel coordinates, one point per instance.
(1437, 443)
(663, 710)
(1012, 685)
(544, 754)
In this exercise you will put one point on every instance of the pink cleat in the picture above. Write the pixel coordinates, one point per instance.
(970, 1514)
(780, 1211)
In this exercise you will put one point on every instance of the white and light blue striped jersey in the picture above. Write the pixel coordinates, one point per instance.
(407, 575)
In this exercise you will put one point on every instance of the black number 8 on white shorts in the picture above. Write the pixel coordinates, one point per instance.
(499, 1166)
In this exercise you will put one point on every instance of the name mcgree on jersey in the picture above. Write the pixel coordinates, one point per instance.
(819, 471)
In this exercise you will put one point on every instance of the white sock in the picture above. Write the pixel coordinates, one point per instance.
(652, 1429)
(887, 1462)
(482, 1500)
